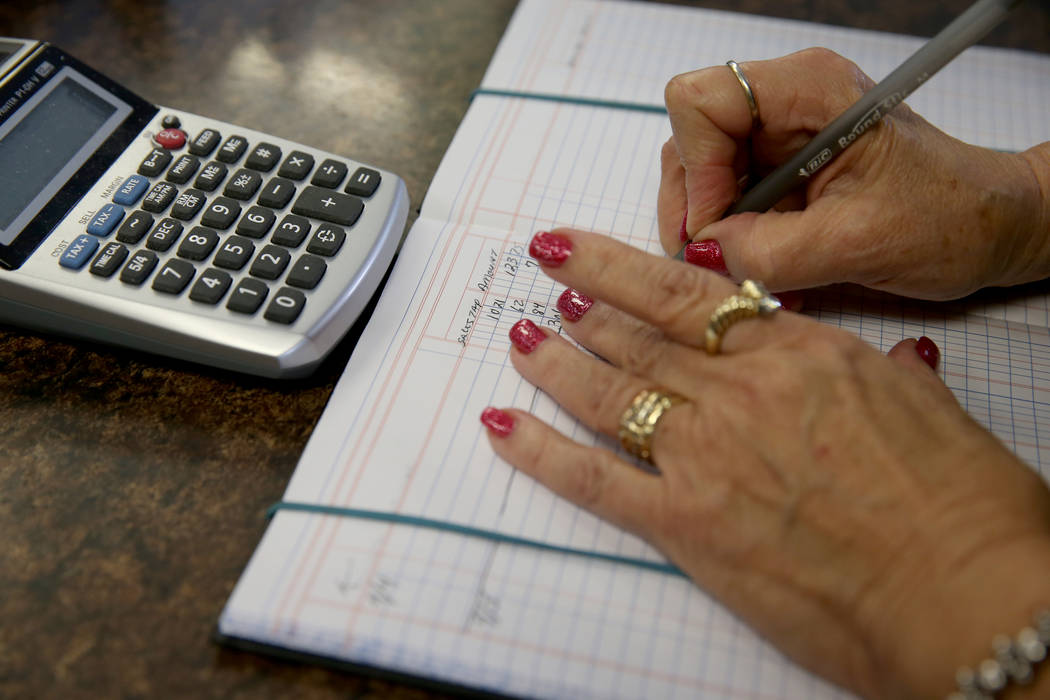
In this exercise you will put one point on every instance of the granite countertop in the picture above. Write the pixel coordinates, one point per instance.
(133, 488)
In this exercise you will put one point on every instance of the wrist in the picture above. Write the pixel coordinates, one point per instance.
(953, 626)
(977, 565)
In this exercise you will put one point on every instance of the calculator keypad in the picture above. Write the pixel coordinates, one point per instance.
(223, 220)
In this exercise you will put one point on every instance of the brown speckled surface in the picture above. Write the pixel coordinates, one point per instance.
(132, 488)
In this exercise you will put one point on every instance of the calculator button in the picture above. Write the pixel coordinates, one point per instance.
(138, 267)
(327, 241)
(330, 174)
(328, 206)
(291, 231)
(363, 182)
(277, 193)
(247, 296)
(232, 150)
(171, 139)
(210, 177)
(286, 306)
(170, 121)
(234, 252)
(264, 157)
(166, 233)
(256, 222)
(109, 259)
(183, 169)
(243, 184)
(210, 286)
(221, 213)
(306, 272)
(297, 165)
(205, 142)
(158, 199)
(131, 190)
(134, 227)
(105, 220)
(270, 262)
(79, 251)
(198, 243)
(188, 204)
(155, 163)
(174, 276)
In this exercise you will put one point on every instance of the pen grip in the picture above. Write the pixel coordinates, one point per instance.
(967, 29)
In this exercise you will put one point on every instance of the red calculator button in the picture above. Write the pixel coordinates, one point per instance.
(171, 139)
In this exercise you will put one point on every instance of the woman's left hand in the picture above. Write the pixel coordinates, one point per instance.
(839, 500)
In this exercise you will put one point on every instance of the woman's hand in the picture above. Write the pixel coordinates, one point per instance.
(840, 501)
(906, 209)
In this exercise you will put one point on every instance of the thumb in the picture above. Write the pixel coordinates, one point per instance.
(786, 250)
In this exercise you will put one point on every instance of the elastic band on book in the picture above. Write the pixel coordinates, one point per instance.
(491, 535)
(550, 97)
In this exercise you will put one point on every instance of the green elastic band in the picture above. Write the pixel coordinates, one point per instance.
(550, 97)
(491, 535)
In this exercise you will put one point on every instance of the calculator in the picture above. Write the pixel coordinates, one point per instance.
(138, 225)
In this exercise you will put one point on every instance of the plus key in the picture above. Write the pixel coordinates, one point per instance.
(326, 205)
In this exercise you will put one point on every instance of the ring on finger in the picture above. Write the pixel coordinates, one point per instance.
(749, 94)
(639, 420)
(752, 300)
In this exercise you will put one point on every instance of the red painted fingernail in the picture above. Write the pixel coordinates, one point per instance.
(682, 234)
(497, 421)
(928, 351)
(550, 248)
(707, 253)
(573, 305)
(526, 335)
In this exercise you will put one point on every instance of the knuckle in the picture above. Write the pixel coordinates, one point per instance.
(673, 292)
(609, 401)
(642, 351)
(587, 481)
(677, 89)
(669, 152)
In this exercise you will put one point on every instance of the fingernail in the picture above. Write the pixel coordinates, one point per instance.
(928, 351)
(550, 248)
(526, 335)
(707, 253)
(682, 234)
(497, 421)
(573, 305)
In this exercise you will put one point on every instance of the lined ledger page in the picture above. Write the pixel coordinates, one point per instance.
(401, 431)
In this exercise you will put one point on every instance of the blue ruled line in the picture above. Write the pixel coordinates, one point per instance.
(491, 535)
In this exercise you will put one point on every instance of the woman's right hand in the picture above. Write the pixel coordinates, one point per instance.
(906, 209)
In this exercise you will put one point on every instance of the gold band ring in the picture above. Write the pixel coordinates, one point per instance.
(753, 300)
(638, 422)
(752, 104)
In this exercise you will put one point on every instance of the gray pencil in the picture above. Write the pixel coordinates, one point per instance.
(967, 29)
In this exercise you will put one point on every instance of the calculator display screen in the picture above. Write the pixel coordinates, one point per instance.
(43, 145)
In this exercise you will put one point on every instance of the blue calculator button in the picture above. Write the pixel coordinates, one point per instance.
(79, 252)
(105, 220)
(132, 189)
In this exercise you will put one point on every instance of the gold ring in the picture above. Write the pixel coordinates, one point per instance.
(753, 300)
(638, 422)
(752, 104)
